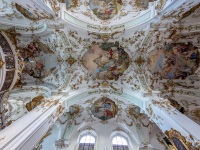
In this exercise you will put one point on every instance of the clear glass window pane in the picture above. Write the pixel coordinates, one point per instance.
(119, 140)
(87, 142)
(87, 139)
(83, 139)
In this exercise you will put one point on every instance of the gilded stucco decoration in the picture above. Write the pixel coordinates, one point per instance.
(13, 15)
(44, 136)
(1, 64)
(30, 15)
(139, 61)
(162, 104)
(55, 5)
(176, 105)
(34, 102)
(190, 11)
(106, 13)
(196, 114)
(106, 36)
(12, 31)
(133, 112)
(80, 77)
(89, 14)
(161, 4)
(135, 116)
(89, 128)
(7, 10)
(70, 60)
(115, 73)
(182, 11)
(16, 107)
(41, 58)
(179, 141)
(4, 6)
(73, 115)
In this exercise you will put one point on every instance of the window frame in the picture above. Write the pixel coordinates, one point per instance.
(123, 135)
(85, 133)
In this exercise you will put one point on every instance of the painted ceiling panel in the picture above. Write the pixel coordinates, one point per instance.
(96, 56)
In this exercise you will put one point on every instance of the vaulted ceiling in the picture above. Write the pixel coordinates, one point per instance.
(104, 47)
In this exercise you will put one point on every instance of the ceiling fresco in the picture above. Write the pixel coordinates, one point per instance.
(104, 109)
(39, 60)
(141, 3)
(175, 61)
(106, 61)
(127, 120)
(110, 68)
(69, 3)
(109, 12)
(105, 9)
(182, 92)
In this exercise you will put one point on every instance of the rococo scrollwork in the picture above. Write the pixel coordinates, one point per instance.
(179, 141)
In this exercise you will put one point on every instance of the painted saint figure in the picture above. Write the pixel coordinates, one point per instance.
(105, 9)
(104, 109)
(175, 61)
(106, 61)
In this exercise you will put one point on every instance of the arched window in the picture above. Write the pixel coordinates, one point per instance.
(119, 143)
(87, 142)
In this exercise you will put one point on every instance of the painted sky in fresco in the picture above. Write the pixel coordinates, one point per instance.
(104, 109)
(174, 61)
(105, 9)
(106, 61)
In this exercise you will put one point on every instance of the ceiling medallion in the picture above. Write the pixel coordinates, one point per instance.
(106, 61)
(105, 9)
(104, 109)
(71, 60)
(139, 61)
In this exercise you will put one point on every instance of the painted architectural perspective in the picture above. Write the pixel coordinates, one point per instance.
(99, 74)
